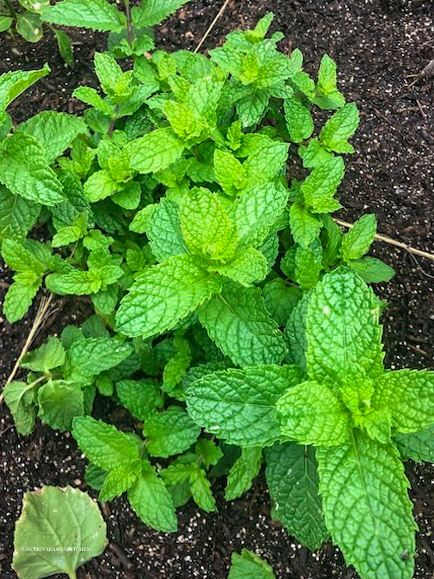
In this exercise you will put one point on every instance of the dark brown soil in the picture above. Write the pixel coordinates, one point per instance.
(377, 44)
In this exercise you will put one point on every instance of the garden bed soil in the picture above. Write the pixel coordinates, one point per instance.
(377, 44)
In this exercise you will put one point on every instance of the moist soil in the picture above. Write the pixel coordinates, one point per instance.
(377, 45)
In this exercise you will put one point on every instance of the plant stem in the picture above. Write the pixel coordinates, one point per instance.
(11, 9)
(129, 23)
(113, 122)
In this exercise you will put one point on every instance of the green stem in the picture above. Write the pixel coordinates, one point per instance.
(129, 23)
(11, 9)
(113, 122)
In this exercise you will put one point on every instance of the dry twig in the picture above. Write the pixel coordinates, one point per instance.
(213, 23)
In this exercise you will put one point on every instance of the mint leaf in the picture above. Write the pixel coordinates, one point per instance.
(298, 120)
(320, 186)
(292, 478)
(152, 12)
(141, 397)
(152, 502)
(342, 329)
(19, 298)
(54, 131)
(408, 395)
(241, 327)
(19, 396)
(419, 446)
(245, 469)
(48, 356)
(280, 299)
(13, 83)
(201, 490)
(95, 14)
(119, 480)
(164, 231)
(311, 414)
(100, 185)
(229, 172)
(372, 270)
(305, 228)
(249, 566)
(164, 295)
(238, 405)
(17, 215)
(170, 432)
(103, 444)
(359, 238)
(363, 487)
(25, 171)
(337, 130)
(155, 151)
(247, 267)
(59, 402)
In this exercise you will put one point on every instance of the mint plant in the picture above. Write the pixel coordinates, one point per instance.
(228, 312)
(27, 22)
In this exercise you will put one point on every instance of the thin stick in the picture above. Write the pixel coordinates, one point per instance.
(213, 23)
(391, 241)
(39, 319)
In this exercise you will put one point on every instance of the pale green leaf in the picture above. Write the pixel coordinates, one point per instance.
(14, 82)
(321, 185)
(17, 215)
(249, 566)
(305, 228)
(95, 14)
(155, 151)
(343, 124)
(357, 241)
(19, 396)
(298, 120)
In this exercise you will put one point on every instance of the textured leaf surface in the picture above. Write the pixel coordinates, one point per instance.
(304, 227)
(238, 405)
(337, 130)
(19, 398)
(372, 270)
(321, 185)
(59, 402)
(367, 508)
(342, 328)
(141, 397)
(18, 300)
(359, 238)
(95, 14)
(311, 414)
(418, 446)
(13, 83)
(119, 480)
(54, 131)
(17, 215)
(155, 151)
(201, 490)
(248, 266)
(41, 535)
(164, 231)
(243, 472)
(152, 502)
(152, 12)
(25, 171)
(164, 295)
(103, 444)
(292, 478)
(409, 396)
(240, 325)
(298, 120)
(170, 432)
(249, 566)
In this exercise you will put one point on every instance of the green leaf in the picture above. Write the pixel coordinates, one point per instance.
(17, 215)
(25, 171)
(419, 446)
(103, 444)
(247, 267)
(308, 266)
(34, 5)
(305, 228)
(280, 299)
(298, 120)
(367, 508)
(292, 478)
(90, 96)
(372, 270)
(19, 298)
(229, 172)
(252, 108)
(238, 405)
(19, 396)
(29, 26)
(329, 96)
(155, 151)
(119, 480)
(201, 490)
(100, 185)
(54, 131)
(208, 452)
(320, 186)
(243, 472)
(90, 356)
(152, 12)
(164, 295)
(314, 154)
(335, 133)
(206, 226)
(59, 402)
(310, 413)
(266, 160)
(65, 47)
(249, 566)
(5, 23)
(152, 501)
(13, 83)
(359, 238)
(342, 329)
(72, 282)
(114, 82)
(240, 325)
(164, 231)
(170, 432)
(95, 14)
(41, 535)
(141, 397)
(48, 356)
(408, 395)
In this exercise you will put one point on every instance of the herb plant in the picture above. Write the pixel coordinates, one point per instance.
(29, 24)
(231, 316)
